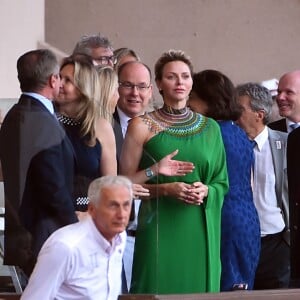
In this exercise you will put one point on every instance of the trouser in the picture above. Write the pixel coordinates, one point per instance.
(273, 271)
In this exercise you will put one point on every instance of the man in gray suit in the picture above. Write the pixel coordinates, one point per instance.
(270, 189)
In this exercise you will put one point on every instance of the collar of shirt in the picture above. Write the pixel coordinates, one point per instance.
(262, 138)
(46, 102)
(123, 120)
(104, 243)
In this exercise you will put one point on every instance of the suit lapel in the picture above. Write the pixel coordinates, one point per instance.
(118, 134)
(277, 147)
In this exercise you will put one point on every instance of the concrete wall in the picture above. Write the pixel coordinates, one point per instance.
(247, 40)
(21, 28)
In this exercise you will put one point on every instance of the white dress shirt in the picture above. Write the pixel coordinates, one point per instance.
(264, 194)
(77, 262)
(123, 121)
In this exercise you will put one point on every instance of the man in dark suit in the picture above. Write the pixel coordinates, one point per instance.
(37, 163)
(135, 92)
(270, 186)
(288, 101)
(133, 100)
(293, 165)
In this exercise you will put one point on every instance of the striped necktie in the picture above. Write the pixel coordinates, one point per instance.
(294, 126)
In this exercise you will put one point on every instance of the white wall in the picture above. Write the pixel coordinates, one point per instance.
(22, 26)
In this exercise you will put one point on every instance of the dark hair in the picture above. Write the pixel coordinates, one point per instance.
(34, 69)
(218, 92)
(169, 56)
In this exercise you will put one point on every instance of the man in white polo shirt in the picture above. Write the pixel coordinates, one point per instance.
(84, 260)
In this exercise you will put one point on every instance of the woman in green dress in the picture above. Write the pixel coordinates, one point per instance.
(177, 248)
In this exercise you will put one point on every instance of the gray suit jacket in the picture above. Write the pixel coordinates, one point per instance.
(278, 144)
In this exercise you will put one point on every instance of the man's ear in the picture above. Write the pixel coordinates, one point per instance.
(261, 114)
(151, 89)
(53, 80)
(91, 208)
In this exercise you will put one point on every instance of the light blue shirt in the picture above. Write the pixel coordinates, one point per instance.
(46, 102)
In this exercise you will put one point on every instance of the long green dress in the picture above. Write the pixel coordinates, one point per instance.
(177, 247)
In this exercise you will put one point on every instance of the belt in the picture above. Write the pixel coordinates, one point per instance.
(131, 232)
(273, 235)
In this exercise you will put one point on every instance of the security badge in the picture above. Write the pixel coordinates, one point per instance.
(278, 145)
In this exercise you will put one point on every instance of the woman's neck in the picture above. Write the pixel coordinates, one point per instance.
(174, 111)
(68, 111)
(177, 105)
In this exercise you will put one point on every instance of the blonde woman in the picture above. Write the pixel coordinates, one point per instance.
(91, 135)
(124, 55)
(109, 95)
(177, 246)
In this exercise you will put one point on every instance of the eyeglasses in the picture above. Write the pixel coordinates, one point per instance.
(129, 86)
(105, 60)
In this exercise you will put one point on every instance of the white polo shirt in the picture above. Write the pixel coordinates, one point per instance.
(77, 262)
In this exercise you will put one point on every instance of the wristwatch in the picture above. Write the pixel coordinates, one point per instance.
(149, 173)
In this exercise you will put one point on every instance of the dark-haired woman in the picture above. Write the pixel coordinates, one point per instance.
(213, 95)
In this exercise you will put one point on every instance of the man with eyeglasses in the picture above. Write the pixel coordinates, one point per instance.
(135, 92)
(98, 47)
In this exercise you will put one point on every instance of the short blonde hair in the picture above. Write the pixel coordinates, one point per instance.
(169, 56)
(121, 52)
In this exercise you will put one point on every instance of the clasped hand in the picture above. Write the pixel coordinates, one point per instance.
(139, 191)
(189, 193)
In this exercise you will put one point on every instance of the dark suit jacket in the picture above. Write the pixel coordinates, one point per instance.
(119, 143)
(279, 125)
(118, 135)
(293, 166)
(38, 165)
